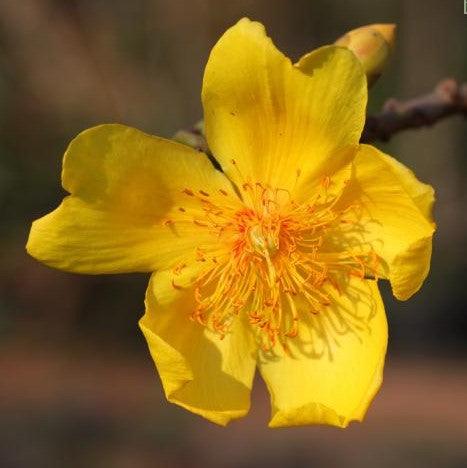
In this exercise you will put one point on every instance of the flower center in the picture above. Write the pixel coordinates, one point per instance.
(273, 259)
(263, 241)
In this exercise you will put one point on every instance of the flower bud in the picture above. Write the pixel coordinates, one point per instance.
(372, 45)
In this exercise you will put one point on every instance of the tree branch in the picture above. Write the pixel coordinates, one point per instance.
(448, 98)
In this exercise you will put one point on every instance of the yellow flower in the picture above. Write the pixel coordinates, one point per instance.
(272, 263)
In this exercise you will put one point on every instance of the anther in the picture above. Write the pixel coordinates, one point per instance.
(178, 269)
(175, 286)
(326, 181)
(200, 223)
(200, 257)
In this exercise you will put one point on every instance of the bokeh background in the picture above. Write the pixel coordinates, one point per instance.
(77, 386)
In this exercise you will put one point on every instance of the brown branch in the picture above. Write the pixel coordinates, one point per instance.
(448, 98)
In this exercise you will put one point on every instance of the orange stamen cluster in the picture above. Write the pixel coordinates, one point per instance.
(268, 258)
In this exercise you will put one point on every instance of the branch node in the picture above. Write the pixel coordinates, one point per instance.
(448, 98)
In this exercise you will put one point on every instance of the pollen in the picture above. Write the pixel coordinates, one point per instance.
(272, 260)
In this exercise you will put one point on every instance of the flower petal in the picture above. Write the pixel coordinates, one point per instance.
(207, 375)
(335, 364)
(396, 216)
(124, 185)
(267, 120)
(422, 194)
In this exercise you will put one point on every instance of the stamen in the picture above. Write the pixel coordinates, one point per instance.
(175, 286)
(268, 258)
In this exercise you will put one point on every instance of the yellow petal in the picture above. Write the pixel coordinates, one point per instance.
(422, 194)
(267, 120)
(125, 185)
(207, 375)
(396, 217)
(335, 364)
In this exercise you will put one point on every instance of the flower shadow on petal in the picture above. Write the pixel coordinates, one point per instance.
(199, 371)
(212, 390)
(350, 313)
(334, 366)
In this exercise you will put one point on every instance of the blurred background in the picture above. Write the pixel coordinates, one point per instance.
(77, 386)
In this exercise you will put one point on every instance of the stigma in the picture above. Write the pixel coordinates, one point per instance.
(263, 241)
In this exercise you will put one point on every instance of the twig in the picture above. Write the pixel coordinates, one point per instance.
(448, 98)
